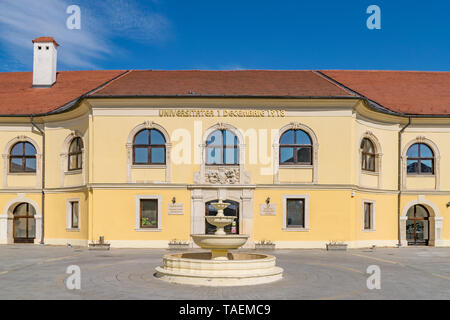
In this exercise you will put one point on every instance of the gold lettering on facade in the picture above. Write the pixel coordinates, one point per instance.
(222, 113)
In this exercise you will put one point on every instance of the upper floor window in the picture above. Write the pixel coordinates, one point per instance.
(368, 155)
(149, 147)
(420, 159)
(75, 154)
(22, 158)
(222, 147)
(295, 147)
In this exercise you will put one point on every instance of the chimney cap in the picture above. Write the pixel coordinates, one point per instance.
(46, 39)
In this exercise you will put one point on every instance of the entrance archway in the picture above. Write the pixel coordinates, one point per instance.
(417, 225)
(24, 223)
(433, 223)
(231, 210)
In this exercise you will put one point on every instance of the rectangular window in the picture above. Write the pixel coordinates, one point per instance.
(149, 213)
(368, 215)
(74, 210)
(295, 213)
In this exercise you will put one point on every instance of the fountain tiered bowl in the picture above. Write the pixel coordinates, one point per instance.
(219, 267)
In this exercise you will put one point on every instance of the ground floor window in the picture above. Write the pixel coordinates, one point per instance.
(295, 212)
(74, 208)
(149, 213)
(368, 215)
(73, 214)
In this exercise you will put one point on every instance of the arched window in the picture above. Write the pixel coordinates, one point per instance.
(420, 159)
(22, 158)
(222, 147)
(295, 147)
(367, 155)
(149, 147)
(75, 154)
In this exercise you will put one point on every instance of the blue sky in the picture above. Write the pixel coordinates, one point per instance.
(229, 35)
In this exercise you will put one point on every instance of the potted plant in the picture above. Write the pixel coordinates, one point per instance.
(264, 245)
(336, 245)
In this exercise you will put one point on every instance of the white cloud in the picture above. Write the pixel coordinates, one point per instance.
(101, 22)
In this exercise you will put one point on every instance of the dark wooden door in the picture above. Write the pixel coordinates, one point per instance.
(24, 226)
(417, 225)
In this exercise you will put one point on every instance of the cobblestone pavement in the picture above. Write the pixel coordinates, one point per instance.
(38, 272)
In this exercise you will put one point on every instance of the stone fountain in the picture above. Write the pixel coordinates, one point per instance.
(219, 267)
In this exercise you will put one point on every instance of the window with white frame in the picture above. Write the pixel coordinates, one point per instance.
(73, 214)
(74, 208)
(148, 213)
(296, 212)
(368, 215)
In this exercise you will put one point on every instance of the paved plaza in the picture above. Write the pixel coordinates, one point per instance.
(38, 272)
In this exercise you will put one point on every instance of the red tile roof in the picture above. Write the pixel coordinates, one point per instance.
(45, 39)
(409, 92)
(399, 91)
(17, 96)
(223, 83)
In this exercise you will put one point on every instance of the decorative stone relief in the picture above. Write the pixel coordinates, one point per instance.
(296, 125)
(222, 175)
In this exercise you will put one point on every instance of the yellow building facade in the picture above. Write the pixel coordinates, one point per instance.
(338, 199)
(304, 158)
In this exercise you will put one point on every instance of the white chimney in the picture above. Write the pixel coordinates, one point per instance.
(44, 61)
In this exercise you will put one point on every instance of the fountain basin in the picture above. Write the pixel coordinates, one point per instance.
(214, 241)
(220, 221)
(219, 267)
(240, 269)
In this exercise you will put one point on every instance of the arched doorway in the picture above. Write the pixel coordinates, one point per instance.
(231, 210)
(24, 226)
(417, 225)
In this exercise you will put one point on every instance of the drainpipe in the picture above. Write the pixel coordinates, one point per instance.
(400, 178)
(43, 178)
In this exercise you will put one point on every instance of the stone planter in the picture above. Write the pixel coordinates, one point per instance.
(261, 246)
(336, 246)
(99, 246)
(178, 246)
